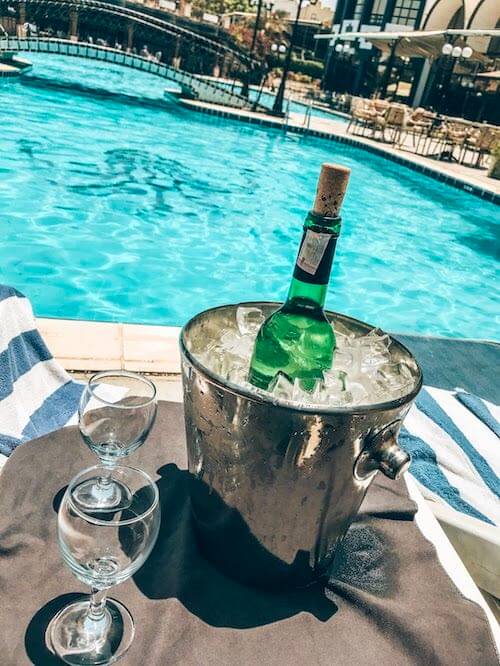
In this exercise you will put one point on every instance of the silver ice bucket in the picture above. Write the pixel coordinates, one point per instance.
(273, 488)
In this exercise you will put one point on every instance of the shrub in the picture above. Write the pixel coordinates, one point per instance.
(312, 68)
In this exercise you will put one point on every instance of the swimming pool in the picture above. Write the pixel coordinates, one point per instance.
(115, 205)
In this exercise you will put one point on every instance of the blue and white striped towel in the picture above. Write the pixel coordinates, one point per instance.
(453, 438)
(37, 396)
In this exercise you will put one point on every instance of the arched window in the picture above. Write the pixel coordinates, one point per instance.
(438, 17)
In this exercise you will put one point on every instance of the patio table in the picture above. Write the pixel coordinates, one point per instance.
(389, 602)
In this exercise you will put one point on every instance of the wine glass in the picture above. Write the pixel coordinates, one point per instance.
(116, 413)
(102, 549)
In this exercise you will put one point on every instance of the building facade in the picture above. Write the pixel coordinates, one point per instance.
(357, 70)
(361, 70)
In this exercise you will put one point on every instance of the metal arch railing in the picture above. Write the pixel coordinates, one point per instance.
(153, 22)
(192, 85)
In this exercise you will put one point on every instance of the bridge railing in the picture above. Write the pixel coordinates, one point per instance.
(192, 85)
(151, 21)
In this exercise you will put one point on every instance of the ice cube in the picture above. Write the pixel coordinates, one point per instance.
(301, 392)
(371, 351)
(376, 342)
(240, 346)
(406, 371)
(376, 334)
(334, 380)
(338, 398)
(333, 391)
(281, 387)
(341, 329)
(249, 320)
(370, 362)
(227, 357)
(342, 340)
(395, 378)
(354, 367)
(318, 395)
(358, 392)
(342, 360)
(210, 358)
(237, 372)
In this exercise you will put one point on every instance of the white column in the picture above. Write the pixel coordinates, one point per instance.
(422, 82)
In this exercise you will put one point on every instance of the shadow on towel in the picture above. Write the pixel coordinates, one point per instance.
(177, 569)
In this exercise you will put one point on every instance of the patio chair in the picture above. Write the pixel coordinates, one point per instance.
(420, 118)
(391, 123)
(480, 142)
(444, 138)
(435, 139)
(380, 105)
(418, 125)
(452, 435)
(37, 396)
(355, 108)
(363, 115)
(457, 134)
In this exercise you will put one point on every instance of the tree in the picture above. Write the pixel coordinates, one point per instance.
(220, 6)
(273, 30)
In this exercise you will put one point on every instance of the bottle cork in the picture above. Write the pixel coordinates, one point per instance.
(332, 186)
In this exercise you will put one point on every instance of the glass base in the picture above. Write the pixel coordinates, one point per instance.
(102, 494)
(78, 640)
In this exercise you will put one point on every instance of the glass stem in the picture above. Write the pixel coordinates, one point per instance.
(105, 480)
(97, 604)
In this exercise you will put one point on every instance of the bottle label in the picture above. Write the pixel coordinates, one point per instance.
(315, 258)
(312, 250)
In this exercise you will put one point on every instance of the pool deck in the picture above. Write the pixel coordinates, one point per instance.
(463, 177)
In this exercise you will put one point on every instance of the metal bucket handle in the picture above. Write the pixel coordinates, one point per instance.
(382, 452)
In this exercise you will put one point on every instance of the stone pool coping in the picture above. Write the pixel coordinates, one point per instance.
(85, 346)
(461, 177)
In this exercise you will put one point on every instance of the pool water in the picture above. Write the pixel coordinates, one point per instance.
(118, 206)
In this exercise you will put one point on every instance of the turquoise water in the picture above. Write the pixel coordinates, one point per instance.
(115, 205)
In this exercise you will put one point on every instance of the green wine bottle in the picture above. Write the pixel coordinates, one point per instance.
(297, 339)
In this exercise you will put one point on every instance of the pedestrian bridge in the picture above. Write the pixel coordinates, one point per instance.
(115, 17)
(192, 86)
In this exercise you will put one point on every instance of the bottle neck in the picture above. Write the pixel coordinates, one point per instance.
(314, 261)
(307, 294)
